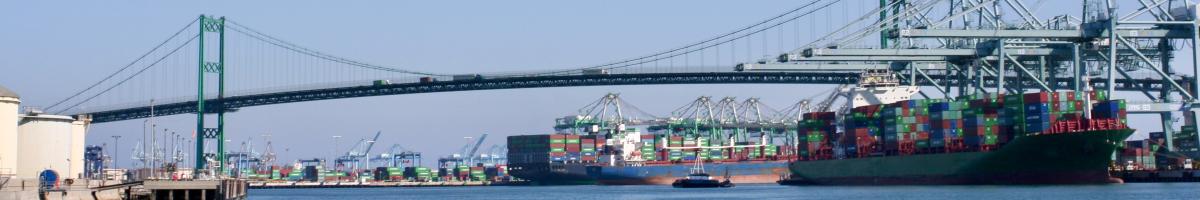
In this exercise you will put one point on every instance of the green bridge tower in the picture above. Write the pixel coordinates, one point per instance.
(216, 26)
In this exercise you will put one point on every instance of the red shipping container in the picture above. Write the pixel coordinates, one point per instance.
(1039, 97)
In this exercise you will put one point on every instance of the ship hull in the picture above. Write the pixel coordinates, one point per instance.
(552, 173)
(660, 174)
(1067, 158)
(738, 173)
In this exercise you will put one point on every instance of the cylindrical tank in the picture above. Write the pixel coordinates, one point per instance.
(44, 143)
(78, 134)
(9, 104)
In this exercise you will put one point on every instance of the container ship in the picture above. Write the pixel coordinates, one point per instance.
(616, 155)
(632, 158)
(1034, 138)
(880, 136)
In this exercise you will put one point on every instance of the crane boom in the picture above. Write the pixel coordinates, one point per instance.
(476, 146)
(371, 143)
(826, 104)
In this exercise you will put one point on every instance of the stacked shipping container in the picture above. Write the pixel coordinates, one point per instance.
(946, 126)
(815, 132)
(981, 126)
(977, 123)
(905, 127)
(862, 131)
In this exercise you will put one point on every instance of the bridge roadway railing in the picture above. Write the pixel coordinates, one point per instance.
(233, 102)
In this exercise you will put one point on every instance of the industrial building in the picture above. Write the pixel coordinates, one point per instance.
(33, 142)
(9, 103)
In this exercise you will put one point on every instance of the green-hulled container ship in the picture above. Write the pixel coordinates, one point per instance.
(1066, 137)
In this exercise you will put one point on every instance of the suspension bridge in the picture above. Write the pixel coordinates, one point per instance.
(215, 65)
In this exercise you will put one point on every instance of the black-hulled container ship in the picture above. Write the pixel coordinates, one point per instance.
(1033, 138)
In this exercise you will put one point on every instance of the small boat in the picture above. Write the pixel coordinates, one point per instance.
(698, 179)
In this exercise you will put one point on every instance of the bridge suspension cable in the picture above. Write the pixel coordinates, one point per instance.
(250, 32)
(139, 72)
(127, 66)
(709, 43)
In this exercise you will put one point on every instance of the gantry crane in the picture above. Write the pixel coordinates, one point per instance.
(357, 155)
(397, 156)
(605, 115)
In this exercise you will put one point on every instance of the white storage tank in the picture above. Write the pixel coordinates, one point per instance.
(44, 143)
(9, 104)
(79, 129)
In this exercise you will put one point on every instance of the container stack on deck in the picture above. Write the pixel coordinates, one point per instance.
(650, 148)
(862, 131)
(981, 126)
(675, 154)
(815, 132)
(587, 149)
(532, 148)
(946, 126)
(905, 127)
(573, 148)
(979, 122)
(1054, 112)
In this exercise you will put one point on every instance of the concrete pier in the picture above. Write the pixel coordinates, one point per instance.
(14, 188)
(290, 185)
(195, 189)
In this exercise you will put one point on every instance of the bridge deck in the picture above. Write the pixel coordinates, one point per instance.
(235, 102)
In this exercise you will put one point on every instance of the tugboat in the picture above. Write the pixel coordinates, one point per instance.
(698, 179)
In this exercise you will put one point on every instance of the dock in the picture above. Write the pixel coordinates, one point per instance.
(293, 185)
(1150, 176)
(229, 189)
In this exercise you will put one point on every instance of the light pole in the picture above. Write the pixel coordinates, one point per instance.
(145, 124)
(226, 164)
(466, 158)
(173, 140)
(116, 152)
(335, 149)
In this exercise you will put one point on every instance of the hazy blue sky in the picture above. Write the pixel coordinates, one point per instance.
(51, 49)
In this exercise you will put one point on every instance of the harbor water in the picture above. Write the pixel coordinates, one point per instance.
(751, 191)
